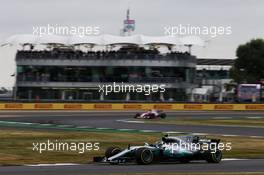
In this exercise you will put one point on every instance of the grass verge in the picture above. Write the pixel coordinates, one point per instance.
(17, 144)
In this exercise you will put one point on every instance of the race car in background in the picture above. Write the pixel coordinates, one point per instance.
(151, 114)
(165, 151)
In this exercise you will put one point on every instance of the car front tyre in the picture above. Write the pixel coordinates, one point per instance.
(214, 157)
(144, 156)
(111, 151)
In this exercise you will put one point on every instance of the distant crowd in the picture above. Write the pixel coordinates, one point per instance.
(120, 54)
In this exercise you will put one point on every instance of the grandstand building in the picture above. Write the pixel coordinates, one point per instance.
(213, 76)
(64, 71)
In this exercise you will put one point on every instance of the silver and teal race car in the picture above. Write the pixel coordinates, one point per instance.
(169, 149)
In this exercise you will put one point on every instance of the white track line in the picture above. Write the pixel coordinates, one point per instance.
(257, 137)
(174, 132)
(130, 121)
(229, 135)
(254, 117)
(74, 164)
(148, 131)
(222, 117)
(55, 164)
(65, 125)
(126, 129)
(83, 127)
(232, 159)
(200, 134)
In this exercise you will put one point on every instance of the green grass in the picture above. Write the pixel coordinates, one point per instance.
(16, 145)
(193, 121)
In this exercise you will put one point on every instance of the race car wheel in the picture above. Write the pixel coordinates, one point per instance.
(137, 115)
(111, 151)
(144, 156)
(163, 115)
(151, 116)
(214, 157)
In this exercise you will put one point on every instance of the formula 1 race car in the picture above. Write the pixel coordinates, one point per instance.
(166, 150)
(151, 114)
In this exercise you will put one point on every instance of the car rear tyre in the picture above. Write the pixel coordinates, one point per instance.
(137, 115)
(151, 116)
(111, 151)
(214, 157)
(144, 156)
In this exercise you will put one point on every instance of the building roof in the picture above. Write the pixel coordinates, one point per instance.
(200, 91)
(222, 62)
(103, 40)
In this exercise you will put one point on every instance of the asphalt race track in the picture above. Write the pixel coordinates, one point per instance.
(225, 166)
(112, 120)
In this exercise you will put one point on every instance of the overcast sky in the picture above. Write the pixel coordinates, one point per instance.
(244, 16)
